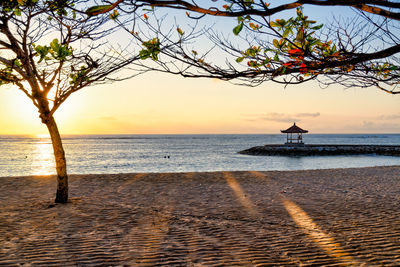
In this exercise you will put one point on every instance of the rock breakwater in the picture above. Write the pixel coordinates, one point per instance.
(320, 150)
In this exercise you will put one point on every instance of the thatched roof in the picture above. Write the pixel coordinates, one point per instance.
(294, 129)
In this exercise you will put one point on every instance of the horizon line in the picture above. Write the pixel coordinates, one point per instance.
(121, 134)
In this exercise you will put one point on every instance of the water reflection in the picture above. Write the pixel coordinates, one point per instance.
(42, 158)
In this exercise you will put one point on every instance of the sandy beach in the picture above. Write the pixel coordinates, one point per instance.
(319, 217)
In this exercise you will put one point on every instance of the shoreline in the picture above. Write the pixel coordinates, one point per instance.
(205, 172)
(268, 218)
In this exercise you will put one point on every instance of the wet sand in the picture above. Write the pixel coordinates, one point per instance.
(320, 217)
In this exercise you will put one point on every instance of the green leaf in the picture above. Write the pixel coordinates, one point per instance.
(55, 48)
(238, 29)
(95, 10)
(299, 12)
(239, 59)
(17, 12)
(300, 35)
(286, 32)
(276, 43)
(179, 31)
(42, 51)
(281, 22)
(144, 54)
(55, 45)
(152, 49)
(248, 2)
(273, 24)
(317, 27)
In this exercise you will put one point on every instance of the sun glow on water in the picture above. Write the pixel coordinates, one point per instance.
(42, 136)
(42, 157)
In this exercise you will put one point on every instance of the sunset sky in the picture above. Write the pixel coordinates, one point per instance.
(156, 103)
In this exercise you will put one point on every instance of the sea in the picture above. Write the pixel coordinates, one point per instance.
(99, 154)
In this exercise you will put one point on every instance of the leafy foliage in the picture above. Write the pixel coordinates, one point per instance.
(361, 52)
(79, 76)
(299, 50)
(56, 50)
(152, 49)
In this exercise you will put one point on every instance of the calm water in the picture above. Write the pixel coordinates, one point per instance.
(149, 153)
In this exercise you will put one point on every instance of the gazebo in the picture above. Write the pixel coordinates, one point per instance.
(297, 138)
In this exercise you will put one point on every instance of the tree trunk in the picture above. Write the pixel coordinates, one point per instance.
(61, 163)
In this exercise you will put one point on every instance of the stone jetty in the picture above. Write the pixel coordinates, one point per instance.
(321, 150)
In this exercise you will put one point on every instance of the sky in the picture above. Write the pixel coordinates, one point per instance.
(156, 103)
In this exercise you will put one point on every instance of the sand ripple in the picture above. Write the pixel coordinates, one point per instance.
(323, 217)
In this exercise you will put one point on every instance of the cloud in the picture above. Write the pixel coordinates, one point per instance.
(316, 114)
(389, 117)
(368, 124)
(282, 117)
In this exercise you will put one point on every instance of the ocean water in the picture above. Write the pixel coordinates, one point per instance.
(85, 154)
